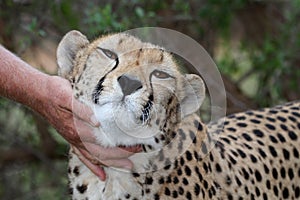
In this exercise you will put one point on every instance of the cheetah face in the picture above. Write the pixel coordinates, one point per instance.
(133, 87)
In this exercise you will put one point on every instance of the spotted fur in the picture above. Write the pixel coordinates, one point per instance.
(249, 155)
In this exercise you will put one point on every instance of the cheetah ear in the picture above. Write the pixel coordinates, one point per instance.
(193, 94)
(67, 49)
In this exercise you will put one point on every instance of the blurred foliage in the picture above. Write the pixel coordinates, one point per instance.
(255, 43)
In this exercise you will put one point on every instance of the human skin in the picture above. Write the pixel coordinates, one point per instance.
(52, 98)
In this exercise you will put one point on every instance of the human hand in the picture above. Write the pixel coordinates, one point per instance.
(75, 122)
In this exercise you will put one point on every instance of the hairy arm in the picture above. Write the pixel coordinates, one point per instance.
(52, 98)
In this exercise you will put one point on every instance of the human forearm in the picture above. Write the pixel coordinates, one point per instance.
(19, 81)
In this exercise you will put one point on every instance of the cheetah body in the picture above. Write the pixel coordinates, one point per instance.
(250, 155)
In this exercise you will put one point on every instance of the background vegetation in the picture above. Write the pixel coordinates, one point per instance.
(256, 45)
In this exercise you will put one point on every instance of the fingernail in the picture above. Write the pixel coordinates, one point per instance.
(94, 121)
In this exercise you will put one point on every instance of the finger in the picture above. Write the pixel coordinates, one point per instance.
(84, 113)
(85, 131)
(96, 169)
(109, 153)
(120, 163)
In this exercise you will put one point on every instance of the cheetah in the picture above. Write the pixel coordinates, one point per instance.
(141, 98)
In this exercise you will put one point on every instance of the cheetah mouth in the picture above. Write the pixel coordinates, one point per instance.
(131, 148)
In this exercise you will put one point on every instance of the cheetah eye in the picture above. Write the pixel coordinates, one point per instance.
(161, 74)
(109, 53)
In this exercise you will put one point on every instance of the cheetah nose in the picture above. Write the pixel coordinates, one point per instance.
(129, 85)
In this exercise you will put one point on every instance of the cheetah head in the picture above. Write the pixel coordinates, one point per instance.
(135, 89)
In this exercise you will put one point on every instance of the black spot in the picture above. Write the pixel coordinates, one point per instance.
(275, 190)
(281, 119)
(270, 119)
(156, 197)
(127, 196)
(274, 173)
(257, 191)
(197, 189)
(189, 156)
(258, 133)
(187, 170)
(232, 137)
(268, 184)
(253, 158)
(282, 172)
(182, 161)
(271, 127)
(198, 125)
(225, 140)
(175, 180)
(185, 181)
(200, 177)
(285, 193)
(81, 188)
(296, 114)
(211, 157)
(174, 194)
(283, 127)
(180, 190)
(241, 118)
(241, 152)
(286, 154)
(258, 176)
(246, 174)
(135, 175)
(240, 124)
(188, 195)
(167, 191)
(231, 129)
(205, 184)
(296, 153)
(247, 137)
(273, 139)
(179, 172)
(228, 180)
(149, 180)
(291, 173)
(266, 169)
(293, 119)
(238, 181)
(76, 170)
(255, 121)
(292, 135)
(161, 180)
(218, 168)
(232, 160)
(169, 179)
(193, 137)
(273, 151)
(273, 111)
(229, 196)
(281, 138)
(297, 192)
(246, 190)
